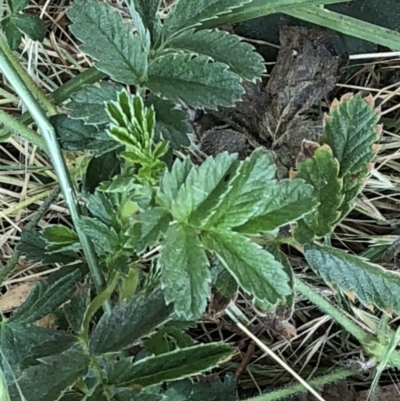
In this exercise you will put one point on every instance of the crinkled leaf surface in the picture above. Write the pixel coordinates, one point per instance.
(75, 310)
(147, 9)
(76, 136)
(88, 103)
(254, 268)
(196, 81)
(351, 131)
(321, 171)
(21, 345)
(129, 322)
(370, 283)
(172, 365)
(109, 40)
(188, 13)
(283, 202)
(45, 299)
(185, 274)
(48, 380)
(224, 48)
(171, 124)
(32, 25)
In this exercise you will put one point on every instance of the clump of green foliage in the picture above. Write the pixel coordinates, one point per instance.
(142, 204)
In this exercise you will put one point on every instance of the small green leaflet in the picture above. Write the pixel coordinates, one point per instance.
(13, 34)
(141, 30)
(49, 379)
(187, 13)
(170, 366)
(167, 339)
(75, 310)
(254, 268)
(45, 299)
(196, 81)
(31, 25)
(109, 40)
(185, 275)
(351, 131)
(60, 238)
(224, 48)
(88, 103)
(17, 5)
(321, 171)
(370, 283)
(127, 323)
(222, 280)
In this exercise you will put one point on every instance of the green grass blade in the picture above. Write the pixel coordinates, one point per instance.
(348, 25)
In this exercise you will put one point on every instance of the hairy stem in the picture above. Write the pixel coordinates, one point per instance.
(58, 163)
(333, 312)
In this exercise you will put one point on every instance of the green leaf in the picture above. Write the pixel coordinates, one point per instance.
(167, 339)
(60, 238)
(321, 171)
(119, 184)
(198, 185)
(101, 206)
(223, 281)
(75, 310)
(109, 40)
(75, 136)
(255, 269)
(45, 299)
(22, 345)
(31, 25)
(128, 323)
(147, 394)
(171, 124)
(17, 5)
(101, 168)
(33, 245)
(171, 366)
(370, 283)
(351, 131)
(196, 81)
(283, 203)
(150, 226)
(224, 48)
(48, 380)
(147, 9)
(187, 14)
(215, 391)
(13, 34)
(89, 103)
(185, 274)
(105, 238)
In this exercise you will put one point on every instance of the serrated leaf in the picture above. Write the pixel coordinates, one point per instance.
(283, 202)
(33, 246)
(150, 226)
(109, 40)
(172, 365)
(88, 103)
(166, 340)
(45, 299)
(105, 238)
(321, 171)
(196, 81)
(371, 284)
(101, 206)
(199, 184)
(128, 323)
(21, 345)
(17, 5)
(254, 269)
(75, 310)
(185, 275)
(350, 131)
(13, 34)
(187, 14)
(171, 124)
(75, 136)
(31, 25)
(60, 238)
(215, 391)
(141, 29)
(48, 380)
(223, 281)
(147, 9)
(224, 48)
(119, 184)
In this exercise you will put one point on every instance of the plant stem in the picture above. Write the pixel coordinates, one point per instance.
(10, 266)
(16, 126)
(29, 82)
(339, 374)
(333, 312)
(58, 163)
